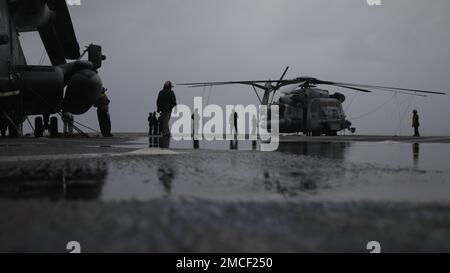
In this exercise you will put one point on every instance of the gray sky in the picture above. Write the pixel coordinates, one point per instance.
(403, 43)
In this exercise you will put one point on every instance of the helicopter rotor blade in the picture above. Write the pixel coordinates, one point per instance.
(391, 88)
(283, 75)
(353, 88)
(250, 83)
(225, 83)
(308, 81)
(367, 91)
(276, 87)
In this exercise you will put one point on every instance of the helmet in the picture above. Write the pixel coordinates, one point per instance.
(168, 85)
(415, 111)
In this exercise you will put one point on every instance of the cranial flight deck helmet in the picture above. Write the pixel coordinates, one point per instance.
(168, 85)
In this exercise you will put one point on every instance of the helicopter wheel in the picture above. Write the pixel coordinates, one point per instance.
(38, 127)
(53, 126)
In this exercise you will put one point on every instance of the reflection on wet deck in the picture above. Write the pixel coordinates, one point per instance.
(237, 170)
(233, 144)
(53, 180)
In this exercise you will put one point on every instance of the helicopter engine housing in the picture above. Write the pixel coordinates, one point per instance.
(338, 96)
(83, 89)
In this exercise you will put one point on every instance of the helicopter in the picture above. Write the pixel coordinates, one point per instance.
(42, 90)
(306, 108)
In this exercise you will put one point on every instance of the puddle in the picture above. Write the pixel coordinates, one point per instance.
(297, 172)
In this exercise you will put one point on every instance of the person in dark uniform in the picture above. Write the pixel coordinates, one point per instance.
(104, 119)
(150, 123)
(415, 123)
(235, 122)
(3, 126)
(156, 126)
(165, 103)
(68, 120)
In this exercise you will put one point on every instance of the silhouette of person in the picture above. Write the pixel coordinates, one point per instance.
(166, 102)
(415, 123)
(104, 119)
(196, 129)
(236, 122)
(150, 123)
(3, 126)
(254, 124)
(231, 122)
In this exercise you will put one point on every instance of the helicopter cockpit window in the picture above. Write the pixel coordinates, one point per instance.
(331, 108)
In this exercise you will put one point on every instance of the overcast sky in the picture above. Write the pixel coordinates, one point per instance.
(403, 43)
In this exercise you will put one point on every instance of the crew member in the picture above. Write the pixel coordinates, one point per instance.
(415, 123)
(152, 123)
(3, 126)
(235, 115)
(68, 122)
(233, 123)
(165, 103)
(104, 119)
(196, 125)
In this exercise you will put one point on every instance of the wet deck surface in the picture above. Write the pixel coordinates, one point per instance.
(332, 194)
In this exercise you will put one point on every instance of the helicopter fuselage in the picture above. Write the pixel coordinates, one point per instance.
(43, 89)
(312, 111)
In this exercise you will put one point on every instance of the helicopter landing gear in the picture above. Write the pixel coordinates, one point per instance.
(46, 123)
(53, 128)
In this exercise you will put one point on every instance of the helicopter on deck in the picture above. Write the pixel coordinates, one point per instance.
(305, 108)
(43, 90)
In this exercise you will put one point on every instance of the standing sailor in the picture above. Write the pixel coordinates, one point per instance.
(67, 119)
(415, 123)
(165, 103)
(150, 123)
(104, 119)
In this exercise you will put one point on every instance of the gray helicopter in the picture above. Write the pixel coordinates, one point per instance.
(305, 108)
(44, 90)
